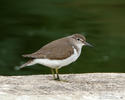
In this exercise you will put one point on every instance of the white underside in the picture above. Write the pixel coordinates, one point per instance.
(58, 63)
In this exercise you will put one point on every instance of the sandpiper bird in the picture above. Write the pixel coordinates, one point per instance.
(58, 53)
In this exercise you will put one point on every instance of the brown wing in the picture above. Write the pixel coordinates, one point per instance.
(58, 49)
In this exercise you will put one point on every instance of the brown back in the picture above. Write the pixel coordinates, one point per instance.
(58, 49)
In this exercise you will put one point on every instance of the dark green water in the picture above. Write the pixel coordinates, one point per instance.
(27, 25)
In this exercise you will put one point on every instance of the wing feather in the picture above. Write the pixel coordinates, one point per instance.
(58, 49)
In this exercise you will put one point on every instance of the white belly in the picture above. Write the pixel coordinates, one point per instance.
(58, 63)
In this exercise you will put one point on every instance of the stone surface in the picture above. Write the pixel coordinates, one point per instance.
(88, 86)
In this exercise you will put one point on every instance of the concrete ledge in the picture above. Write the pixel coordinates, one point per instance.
(90, 86)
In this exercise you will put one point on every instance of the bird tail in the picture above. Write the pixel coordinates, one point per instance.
(28, 63)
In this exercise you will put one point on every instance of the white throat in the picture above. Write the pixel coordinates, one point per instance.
(79, 47)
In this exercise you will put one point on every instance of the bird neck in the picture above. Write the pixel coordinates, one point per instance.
(78, 47)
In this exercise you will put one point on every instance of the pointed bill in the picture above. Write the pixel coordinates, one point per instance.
(87, 44)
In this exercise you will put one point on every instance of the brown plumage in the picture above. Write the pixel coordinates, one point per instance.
(58, 53)
(58, 49)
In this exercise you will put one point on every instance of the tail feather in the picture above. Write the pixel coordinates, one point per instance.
(24, 65)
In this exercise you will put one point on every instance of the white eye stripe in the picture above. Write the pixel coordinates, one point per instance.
(79, 39)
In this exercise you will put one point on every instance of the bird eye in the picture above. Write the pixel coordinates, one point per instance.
(78, 39)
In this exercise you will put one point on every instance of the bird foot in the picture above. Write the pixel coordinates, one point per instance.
(57, 79)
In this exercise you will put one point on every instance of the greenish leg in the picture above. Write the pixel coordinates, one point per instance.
(52, 70)
(57, 73)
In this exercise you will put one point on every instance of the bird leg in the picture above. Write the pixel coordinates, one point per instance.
(52, 70)
(57, 73)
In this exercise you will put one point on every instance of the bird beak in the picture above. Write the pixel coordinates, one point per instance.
(87, 44)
